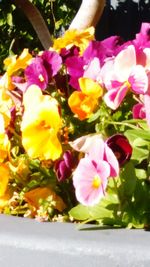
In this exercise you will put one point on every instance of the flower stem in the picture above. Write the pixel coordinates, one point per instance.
(122, 123)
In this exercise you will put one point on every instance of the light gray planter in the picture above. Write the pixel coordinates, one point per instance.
(28, 243)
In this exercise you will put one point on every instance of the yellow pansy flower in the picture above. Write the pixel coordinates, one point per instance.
(6, 102)
(75, 37)
(4, 141)
(40, 125)
(84, 102)
(4, 178)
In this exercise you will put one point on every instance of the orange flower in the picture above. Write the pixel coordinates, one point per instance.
(33, 197)
(83, 103)
(75, 37)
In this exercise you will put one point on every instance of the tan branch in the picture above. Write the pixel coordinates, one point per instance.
(88, 15)
(36, 20)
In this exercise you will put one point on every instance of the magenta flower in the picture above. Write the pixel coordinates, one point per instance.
(36, 73)
(75, 67)
(102, 49)
(90, 181)
(52, 63)
(138, 111)
(64, 166)
(67, 53)
(43, 68)
(121, 147)
(142, 39)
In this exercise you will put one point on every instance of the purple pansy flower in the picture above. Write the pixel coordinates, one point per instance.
(36, 73)
(43, 68)
(67, 53)
(64, 166)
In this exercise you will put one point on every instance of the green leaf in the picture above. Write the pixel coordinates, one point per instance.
(128, 177)
(139, 154)
(98, 212)
(141, 174)
(94, 116)
(80, 212)
(9, 19)
(133, 134)
(140, 142)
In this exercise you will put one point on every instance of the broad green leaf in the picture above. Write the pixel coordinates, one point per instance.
(109, 199)
(140, 142)
(98, 212)
(133, 134)
(80, 212)
(139, 154)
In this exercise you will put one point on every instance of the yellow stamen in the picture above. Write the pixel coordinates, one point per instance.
(44, 125)
(127, 84)
(96, 183)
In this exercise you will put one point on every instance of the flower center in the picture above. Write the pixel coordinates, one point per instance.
(41, 78)
(127, 83)
(96, 183)
(43, 124)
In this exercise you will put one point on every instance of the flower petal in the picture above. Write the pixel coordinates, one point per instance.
(138, 80)
(113, 98)
(124, 62)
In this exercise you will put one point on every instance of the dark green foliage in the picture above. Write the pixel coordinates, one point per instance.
(16, 31)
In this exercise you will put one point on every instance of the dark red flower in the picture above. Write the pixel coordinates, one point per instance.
(64, 166)
(121, 148)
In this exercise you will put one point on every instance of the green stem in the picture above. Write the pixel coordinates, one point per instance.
(122, 123)
(119, 199)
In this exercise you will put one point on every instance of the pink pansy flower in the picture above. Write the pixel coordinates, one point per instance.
(83, 143)
(91, 175)
(100, 150)
(93, 70)
(90, 181)
(124, 74)
(94, 147)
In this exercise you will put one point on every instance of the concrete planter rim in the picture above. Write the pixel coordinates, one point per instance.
(26, 242)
